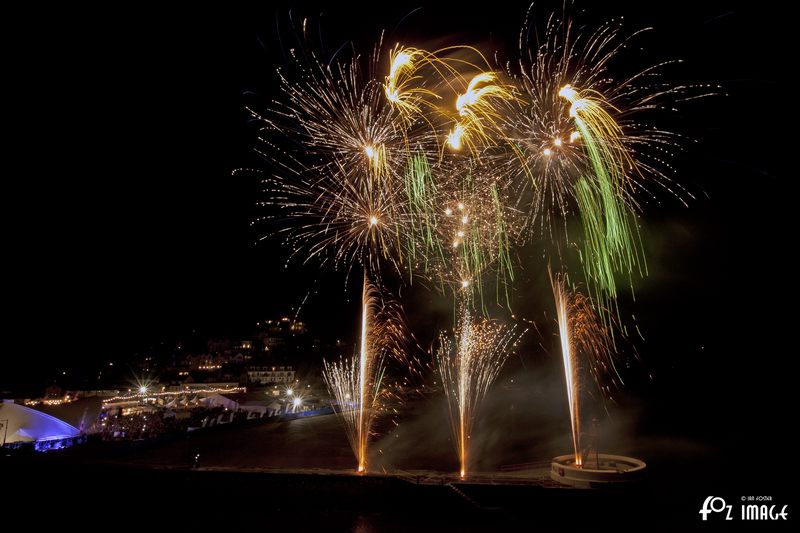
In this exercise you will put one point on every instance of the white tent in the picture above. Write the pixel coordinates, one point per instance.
(218, 400)
(29, 425)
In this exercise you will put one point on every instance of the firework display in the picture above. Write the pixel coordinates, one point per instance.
(438, 166)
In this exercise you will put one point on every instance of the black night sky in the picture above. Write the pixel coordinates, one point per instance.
(128, 228)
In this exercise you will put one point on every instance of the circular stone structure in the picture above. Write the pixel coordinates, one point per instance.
(612, 471)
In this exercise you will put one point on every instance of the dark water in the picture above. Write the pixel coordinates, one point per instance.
(106, 494)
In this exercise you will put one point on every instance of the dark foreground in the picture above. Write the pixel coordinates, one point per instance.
(298, 475)
(109, 497)
(106, 496)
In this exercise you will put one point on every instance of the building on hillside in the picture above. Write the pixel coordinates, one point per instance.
(270, 375)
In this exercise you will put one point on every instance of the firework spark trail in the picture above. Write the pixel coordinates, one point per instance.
(338, 187)
(401, 84)
(583, 145)
(468, 363)
(461, 227)
(454, 251)
(541, 121)
(478, 113)
(341, 221)
(369, 183)
(478, 242)
(423, 241)
(611, 238)
(585, 346)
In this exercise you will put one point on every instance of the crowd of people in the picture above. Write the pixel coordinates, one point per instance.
(147, 425)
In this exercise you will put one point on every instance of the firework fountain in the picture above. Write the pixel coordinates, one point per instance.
(570, 362)
(342, 197)
(468, 363)
(586, 349)
(356, 383)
